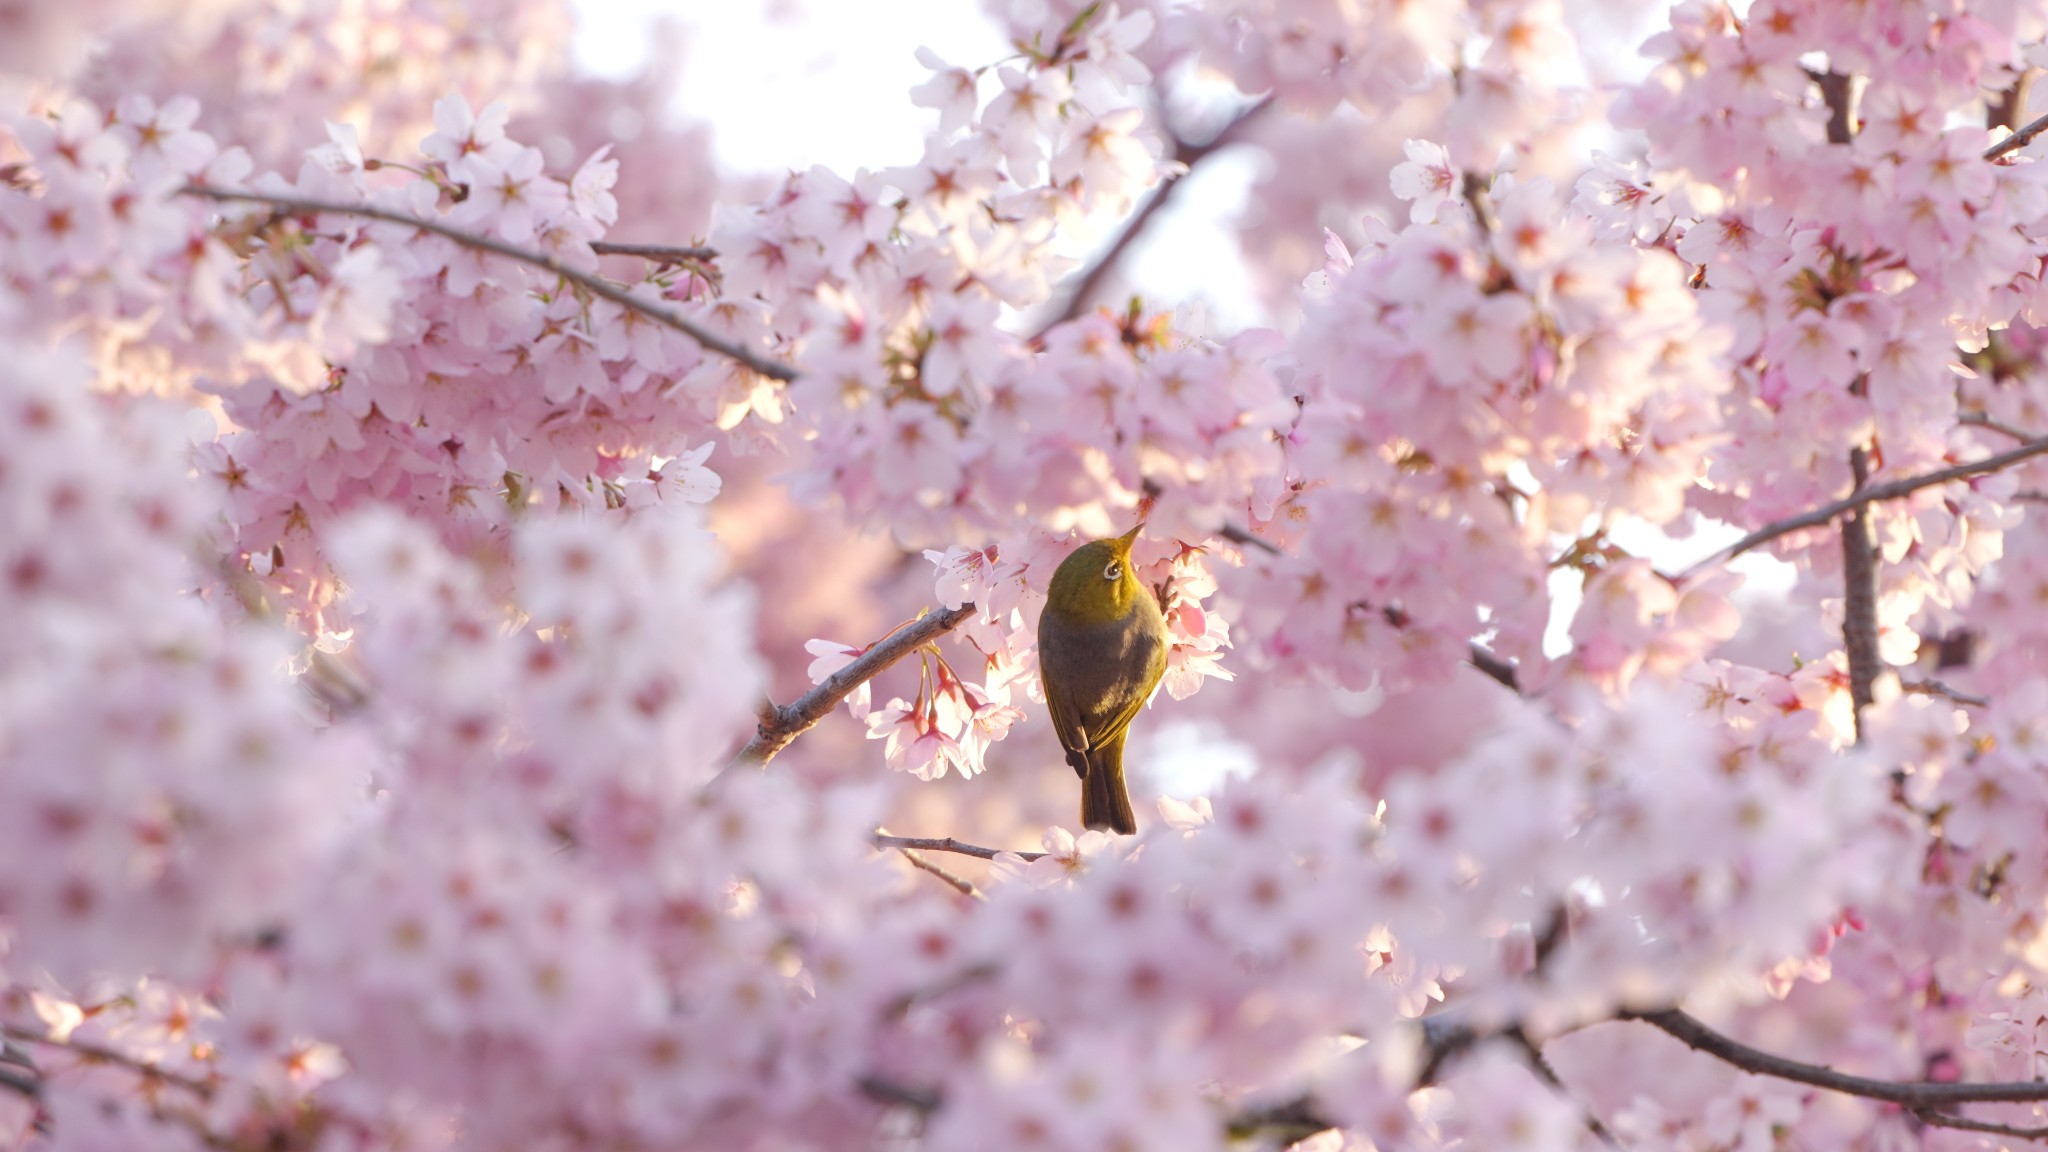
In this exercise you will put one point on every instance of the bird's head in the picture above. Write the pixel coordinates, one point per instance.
(1095, 584)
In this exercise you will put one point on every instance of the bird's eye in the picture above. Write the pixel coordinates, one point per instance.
(1113, 571)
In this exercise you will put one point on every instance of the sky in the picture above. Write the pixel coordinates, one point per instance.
(787, 84)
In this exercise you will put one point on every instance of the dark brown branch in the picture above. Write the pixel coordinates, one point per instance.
(1948, 1120)
(886, 1091)
(1541, 1066)
(1236, 535)
(1188, 156)
(781, 724)
(1859, 596)
(595, 285)
(1891, 490)
(1909, 1094)
(2017, 140)
(944, 844)
(1494, 667)
(659, 253)
(956, 883)
(1839, 92)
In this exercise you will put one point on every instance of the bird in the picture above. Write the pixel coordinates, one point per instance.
(1102, 650)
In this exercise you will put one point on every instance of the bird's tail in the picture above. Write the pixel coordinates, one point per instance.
(1105, 802)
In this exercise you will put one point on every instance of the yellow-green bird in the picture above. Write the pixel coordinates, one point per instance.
(1101, 651)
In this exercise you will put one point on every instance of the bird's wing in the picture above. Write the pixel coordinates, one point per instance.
(1112, 727)
(1066, 723)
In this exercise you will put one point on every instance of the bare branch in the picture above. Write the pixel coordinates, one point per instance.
(1494, 667)
(1948, 1120)
(1892, 490)
(1541, 1066)
(1984, 420)
(781, 724)
(956, 883)
(2017, 140)
(1186, 154)
(1909, 1094)
(944, 844)
(886, 1091)
(1236, 535)
(595, 285)
(1931, 687)
(659, 253)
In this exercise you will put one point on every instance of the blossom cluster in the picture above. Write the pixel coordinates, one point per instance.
(376, 635)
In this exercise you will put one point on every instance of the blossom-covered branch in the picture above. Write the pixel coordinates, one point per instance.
(1890, 490)
(595, 285)
(100, 1054)
(782, 723)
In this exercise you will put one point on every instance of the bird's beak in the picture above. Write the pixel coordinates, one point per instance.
(1124, 542)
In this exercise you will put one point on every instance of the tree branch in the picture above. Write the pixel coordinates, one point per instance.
(1932, 687)
(1494, 667)
(1186, 154)
(1947, 1120)
(1924, 1094)
(1985, 420)
(944, 844)
(1859, 597)
(659, 253)
(1236, 535)
(956, 883)
(1892, 490)
(99, 1054)
(781, 724)
(595, 285)
(2017, 140)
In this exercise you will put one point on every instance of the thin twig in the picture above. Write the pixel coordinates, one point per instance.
(1937, 1119)
(28, 1086)
(958, 885)
(1932, 687)
(1985, 420)
(1185, 154)
(1236, 535)
(99, 1054)
(659, 253)
(1541, 1066)
(1892, 490)
(2018, 140)
(945, 844)
(1908, 1094)
(595, 285)
(781, 724)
